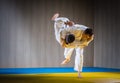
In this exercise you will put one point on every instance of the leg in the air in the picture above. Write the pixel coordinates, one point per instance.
(67, 53)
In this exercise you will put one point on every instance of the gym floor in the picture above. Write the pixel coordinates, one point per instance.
(88, 76)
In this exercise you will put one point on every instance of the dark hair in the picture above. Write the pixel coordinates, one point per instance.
(69, 38)
(89, 31)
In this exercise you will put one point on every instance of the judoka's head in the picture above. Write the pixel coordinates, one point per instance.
(87, 35)
(88, 32)
(69, 38)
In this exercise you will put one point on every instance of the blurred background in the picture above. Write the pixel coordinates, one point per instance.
(27, 36)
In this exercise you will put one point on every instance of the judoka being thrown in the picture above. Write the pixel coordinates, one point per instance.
(72, 36)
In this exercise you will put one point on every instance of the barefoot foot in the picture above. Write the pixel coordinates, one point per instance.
(65, 61)
(55, 16)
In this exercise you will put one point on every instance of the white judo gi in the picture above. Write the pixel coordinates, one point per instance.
(60, 32)
(58, 25)
(77, 45)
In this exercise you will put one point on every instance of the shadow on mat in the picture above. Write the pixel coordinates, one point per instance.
(39, 79)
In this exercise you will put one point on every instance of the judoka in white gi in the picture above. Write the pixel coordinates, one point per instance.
(72, 36)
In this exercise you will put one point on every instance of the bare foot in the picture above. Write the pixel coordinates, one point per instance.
(55, 16)
(79, 74)
(65, 61)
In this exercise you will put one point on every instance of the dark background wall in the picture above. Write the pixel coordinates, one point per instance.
(107, 34)
(27, 35)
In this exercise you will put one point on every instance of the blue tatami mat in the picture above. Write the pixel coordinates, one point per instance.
(52, 70)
